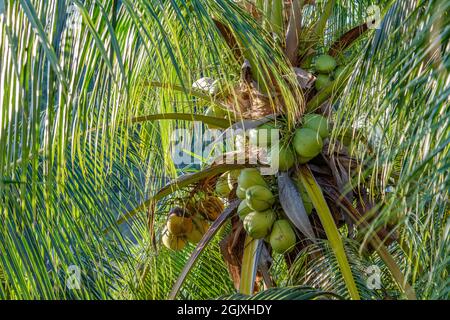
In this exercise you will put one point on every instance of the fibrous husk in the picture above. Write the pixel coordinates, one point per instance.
(248, 103)
(206, 205)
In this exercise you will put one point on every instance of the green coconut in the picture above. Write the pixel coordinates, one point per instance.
(240, 193)
(286, 157)
(282, 237)
(338, 72)
(303, 160)
(256, 135)
(317, 123)
(243, 209)
(307, 142)
(322, 81)
(325, 63)
(258, 224)
(250, 177)
(259, 198)
(233, 176)
(222, 187)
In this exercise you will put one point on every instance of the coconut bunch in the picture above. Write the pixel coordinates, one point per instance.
(182, 227)
(327, 70)
(190, 223)
(260, 209)
(262, 218)
(300, 146)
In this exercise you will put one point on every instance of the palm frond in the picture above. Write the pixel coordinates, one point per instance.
(286, 293)
(403, 100)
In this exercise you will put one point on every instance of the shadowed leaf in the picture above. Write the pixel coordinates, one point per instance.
(292, 205)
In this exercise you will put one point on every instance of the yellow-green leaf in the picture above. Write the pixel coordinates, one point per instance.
(334, 238)
(249, 265)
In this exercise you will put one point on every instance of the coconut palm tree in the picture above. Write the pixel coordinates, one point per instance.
(92, 91)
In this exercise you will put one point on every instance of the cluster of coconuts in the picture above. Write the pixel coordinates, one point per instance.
(256, 209)
(182, 226)
(306, 144)
(257, 212)
(308, 139)
(327, 69)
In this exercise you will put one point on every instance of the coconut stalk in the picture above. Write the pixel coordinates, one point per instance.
(250, 261)
(347, 39)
